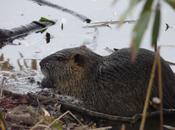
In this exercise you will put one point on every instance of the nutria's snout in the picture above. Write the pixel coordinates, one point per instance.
(46, 62)
(111, 81)
(43, 63)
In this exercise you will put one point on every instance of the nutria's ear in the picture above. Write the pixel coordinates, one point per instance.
(83, 47)
(79, 59)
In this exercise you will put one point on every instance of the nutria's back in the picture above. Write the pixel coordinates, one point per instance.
(109, 84)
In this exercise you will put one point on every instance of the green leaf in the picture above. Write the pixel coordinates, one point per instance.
(57, 125)
(132, 4)
(156, 26)
(44, 19)
(141, 24)
(171, 3)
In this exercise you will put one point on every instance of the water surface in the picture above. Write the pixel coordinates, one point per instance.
(14, 13)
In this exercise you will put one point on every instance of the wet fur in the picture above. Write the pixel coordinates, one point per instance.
(109, 84)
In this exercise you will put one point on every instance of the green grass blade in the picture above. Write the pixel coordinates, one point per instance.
(156, 26)
(141, 24)
(171, 3)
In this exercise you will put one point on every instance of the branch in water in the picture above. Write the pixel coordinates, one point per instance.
(7, 36)
(47, 3)
(107, 23)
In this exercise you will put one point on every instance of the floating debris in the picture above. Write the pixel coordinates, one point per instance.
(62, 26)
(107, 23)
(7, 36)
(48, 37)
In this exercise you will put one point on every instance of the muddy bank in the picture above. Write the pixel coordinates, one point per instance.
(46, 110)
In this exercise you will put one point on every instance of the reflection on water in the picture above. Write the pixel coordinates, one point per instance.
(27, 79)
(5, 64)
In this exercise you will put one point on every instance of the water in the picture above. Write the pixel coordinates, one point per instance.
(14, 13)
(20, 81)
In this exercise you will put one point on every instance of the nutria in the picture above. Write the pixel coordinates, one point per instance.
(108, 84)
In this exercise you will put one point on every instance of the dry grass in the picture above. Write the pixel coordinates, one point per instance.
(157, 64)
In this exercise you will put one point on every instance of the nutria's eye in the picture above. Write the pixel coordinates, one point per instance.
(60, 59)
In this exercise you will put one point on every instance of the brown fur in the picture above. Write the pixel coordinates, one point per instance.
(109, 84)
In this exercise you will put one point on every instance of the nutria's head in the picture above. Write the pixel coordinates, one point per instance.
(70, 68)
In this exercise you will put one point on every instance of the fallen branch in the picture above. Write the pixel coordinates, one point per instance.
(48, 3)
(103, 128)
(64, 114)
(77, 109)
(132, 119)
(107, 23)
(7, 36)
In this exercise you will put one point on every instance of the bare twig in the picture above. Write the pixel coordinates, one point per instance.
(167, 46)
(75, 118)
(22, 31)
(37, 124)
(160, 89)
(107, 23)
(64, 114)
(169, 127)
(98, 115)
(50, 4)
(103, 128)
